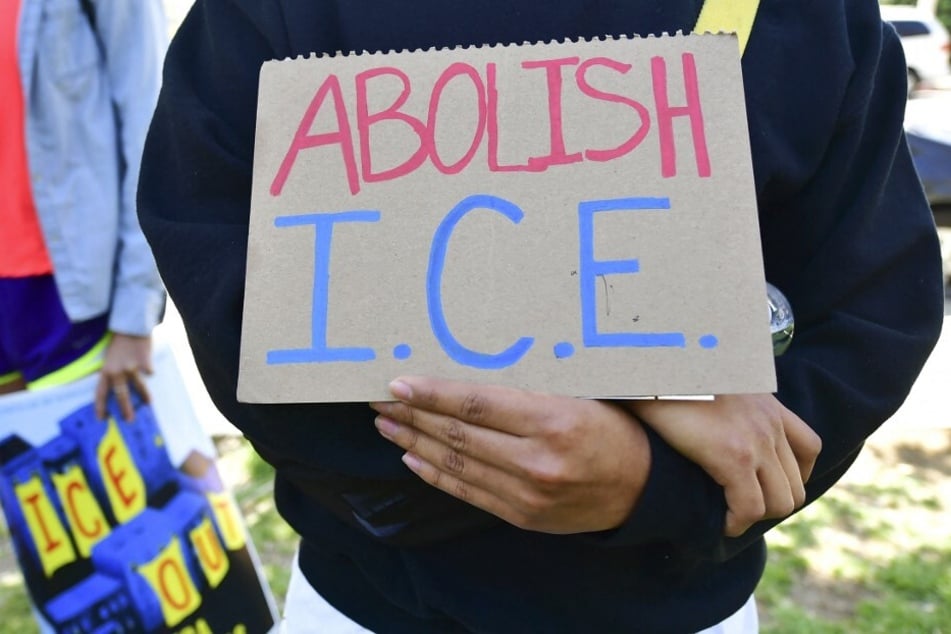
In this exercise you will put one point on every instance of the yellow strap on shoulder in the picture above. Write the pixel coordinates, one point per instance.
(730, 16)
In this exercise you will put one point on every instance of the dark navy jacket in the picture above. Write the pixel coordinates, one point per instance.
(846, 233)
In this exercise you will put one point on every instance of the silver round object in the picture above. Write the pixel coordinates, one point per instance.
(782, 324)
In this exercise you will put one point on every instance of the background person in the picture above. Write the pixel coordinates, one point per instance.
(79, 290)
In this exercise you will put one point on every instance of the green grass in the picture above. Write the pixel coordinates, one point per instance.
(908, 595)
(873, 556)
(15, 612)
(272, 537)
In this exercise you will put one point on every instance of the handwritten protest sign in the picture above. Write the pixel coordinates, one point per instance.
(125, 525)
(574, 217)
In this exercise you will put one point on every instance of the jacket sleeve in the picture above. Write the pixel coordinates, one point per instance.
(132, 38)
(847, 235)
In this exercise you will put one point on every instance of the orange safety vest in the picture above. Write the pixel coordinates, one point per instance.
(22, 247)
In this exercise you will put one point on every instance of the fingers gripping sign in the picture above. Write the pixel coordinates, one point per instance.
(126, 358)
(541, 462)
(759, 451)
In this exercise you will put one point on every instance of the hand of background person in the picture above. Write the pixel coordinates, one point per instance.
(126, 357)
(759, 451)
(545, 463)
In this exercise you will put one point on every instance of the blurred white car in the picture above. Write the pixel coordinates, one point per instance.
(925, 41)
(928, 128)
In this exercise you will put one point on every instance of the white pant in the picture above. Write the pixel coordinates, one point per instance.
(306, 612)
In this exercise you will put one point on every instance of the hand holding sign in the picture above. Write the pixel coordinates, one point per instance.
(564, 465)
(759, 451)
(126, 356)
(541, 462)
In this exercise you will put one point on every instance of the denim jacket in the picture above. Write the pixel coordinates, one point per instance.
(90, 86)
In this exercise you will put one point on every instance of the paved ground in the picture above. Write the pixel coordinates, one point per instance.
(175, 11)
(929, 404)
(172, 332)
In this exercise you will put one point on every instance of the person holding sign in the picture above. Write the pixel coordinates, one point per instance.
(529, 512)
(78, 285)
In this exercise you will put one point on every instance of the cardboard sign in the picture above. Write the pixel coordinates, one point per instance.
(576, 218)
(125, 526)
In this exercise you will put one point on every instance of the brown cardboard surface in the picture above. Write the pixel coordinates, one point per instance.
(569, 217)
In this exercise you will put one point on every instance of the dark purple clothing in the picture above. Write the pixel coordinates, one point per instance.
(846, 234)
(36, 336)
